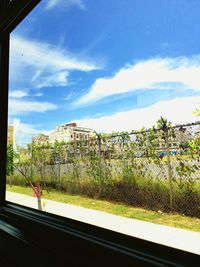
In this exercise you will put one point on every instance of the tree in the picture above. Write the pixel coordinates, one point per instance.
(23, 161)
(59, 155)
(196, 112)
(9, 163)
(164, 125)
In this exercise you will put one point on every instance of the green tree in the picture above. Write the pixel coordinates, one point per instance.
(196, 112)
(165, 127)
(9, 163)
(59, 156)
(33, 155)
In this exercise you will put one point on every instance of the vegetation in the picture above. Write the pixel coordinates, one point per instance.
(159, 217)
(137, 169)
(10, 156)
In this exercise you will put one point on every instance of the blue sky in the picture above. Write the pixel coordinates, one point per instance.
(109, 65)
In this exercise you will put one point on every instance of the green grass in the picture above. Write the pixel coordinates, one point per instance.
(169, 219)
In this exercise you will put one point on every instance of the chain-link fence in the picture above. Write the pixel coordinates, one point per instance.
(156, 169)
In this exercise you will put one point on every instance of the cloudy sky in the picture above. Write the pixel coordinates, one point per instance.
(109, 65)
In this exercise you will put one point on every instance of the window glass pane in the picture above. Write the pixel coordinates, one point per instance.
(104, 100)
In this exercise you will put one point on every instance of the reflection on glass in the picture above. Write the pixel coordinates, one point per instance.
(103, 113)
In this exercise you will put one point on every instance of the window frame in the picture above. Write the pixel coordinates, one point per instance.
(11, 14)
(94, 246)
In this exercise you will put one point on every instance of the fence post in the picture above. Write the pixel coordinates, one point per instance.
(59, 159)
(100, 163)
(99, 145)
(169, 170)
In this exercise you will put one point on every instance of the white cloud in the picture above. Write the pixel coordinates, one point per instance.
(159, 73)
(70, 96)
(178, 110)
(64, 3)
(23, 133)
(18, 106)
(37, 64)
(38, 94)
(54, 80)
(51, 4)
(17, 94)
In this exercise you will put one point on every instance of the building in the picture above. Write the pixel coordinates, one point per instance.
(41, 138)
(70, 132)
(10, 137)
(179, 139)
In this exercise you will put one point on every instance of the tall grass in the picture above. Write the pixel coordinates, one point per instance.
(131, 188)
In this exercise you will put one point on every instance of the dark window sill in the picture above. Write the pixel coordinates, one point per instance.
(52, 239)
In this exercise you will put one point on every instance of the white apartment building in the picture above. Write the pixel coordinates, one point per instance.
(70, 132)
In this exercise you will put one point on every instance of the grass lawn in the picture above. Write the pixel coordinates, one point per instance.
(172, 219)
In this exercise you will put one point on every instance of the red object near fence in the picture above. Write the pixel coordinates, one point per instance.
(37, 192)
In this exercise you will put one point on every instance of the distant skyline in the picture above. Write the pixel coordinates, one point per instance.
(108, 65)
